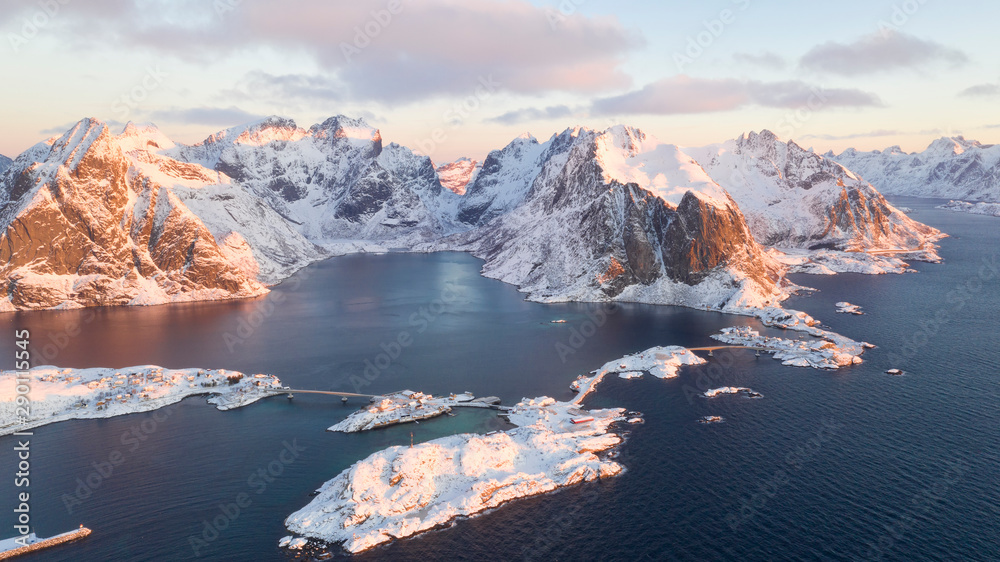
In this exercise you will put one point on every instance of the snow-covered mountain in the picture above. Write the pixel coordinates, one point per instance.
(4, 164)
(796, 198)
(90, 218)
(568, 219)
(335, 181)
(951, 168)
(93, 218)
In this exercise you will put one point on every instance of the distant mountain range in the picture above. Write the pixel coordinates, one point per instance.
(93, 218)
(951, 168)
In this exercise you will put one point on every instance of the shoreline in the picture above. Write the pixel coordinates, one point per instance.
(62, 394)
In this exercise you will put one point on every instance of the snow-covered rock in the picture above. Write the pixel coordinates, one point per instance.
(750, 393)
(63, 394)
(402, 491)
(845, 307)
(456, 176)
(5, 163)
(950, 167)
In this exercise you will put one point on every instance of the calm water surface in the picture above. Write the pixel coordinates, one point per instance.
(848, 465)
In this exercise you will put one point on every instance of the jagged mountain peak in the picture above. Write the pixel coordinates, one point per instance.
(257, 133)
(456, 176)
(951, 146)
(144, 136)
(341, 126)
(950, 167)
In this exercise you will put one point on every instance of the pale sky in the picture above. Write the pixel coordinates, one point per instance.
(454, 78)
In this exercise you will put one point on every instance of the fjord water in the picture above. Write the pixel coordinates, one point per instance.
(844, 465)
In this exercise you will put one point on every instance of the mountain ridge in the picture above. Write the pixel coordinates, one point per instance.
(949, 168)
(584, 215)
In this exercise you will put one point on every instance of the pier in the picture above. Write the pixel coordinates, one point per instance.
(10, 548)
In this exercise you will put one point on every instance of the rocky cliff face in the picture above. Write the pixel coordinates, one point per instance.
(93, 219)
(456, 176)
(951, 167)
(796, 198)
(4, 164)
(581, 234)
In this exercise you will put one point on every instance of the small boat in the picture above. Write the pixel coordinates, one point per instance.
(557, 321)
(343, 399)
(894, 372)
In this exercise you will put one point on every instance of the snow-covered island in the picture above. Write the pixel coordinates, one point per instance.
(845, 307)
(406, 406)
(661, 362)
(750, 393)
(405, 490)
(64, 394)
(402, 490)
(825, 353)
(980, 208)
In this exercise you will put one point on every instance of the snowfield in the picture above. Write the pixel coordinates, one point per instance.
(64, 394)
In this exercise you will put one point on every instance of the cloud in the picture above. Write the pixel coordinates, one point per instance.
(763, 60)
(258, 85)
(683, 94)
(996, 126)
(532, 114)
(216, 116)
(425, 49)
(879, 52)
(869, 134)
(885, 133)
(981, 91)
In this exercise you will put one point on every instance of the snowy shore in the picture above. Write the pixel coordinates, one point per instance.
(403, 407)
(63, 394)
(661, 362)
(823, 353)
(402, 491)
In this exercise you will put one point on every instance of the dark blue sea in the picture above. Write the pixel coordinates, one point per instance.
(846, 465)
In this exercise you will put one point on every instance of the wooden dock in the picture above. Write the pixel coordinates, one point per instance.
(39, 544)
